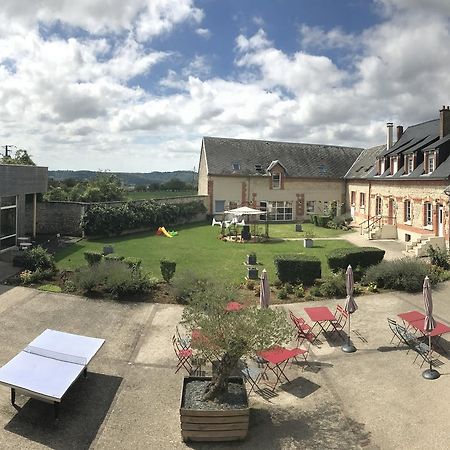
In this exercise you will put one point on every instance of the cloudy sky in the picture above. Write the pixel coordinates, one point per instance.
(134, 85)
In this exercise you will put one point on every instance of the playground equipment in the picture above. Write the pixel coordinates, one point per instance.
(169, 234)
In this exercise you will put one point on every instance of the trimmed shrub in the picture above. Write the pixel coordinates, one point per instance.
(332, 286)
(299, 291)
(363, 257)
(37, 258)
(133, 263)
(113, 257)
(322, 221)
(92, 257)
(297, 269)
(405, 274)
(167, 269)
(282, 294)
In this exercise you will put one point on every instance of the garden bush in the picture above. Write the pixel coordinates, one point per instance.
(297, 268)
(167, 269)
(37, 258)
(133, 263)
(111, 220)
(322, 221)
(405, 274)
(187, 284)
(92, 257)
(282, 294)
(363, 257)
(113, 257)
(331, 286)
(439, 257)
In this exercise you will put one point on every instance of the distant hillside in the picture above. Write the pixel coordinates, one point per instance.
(127, 178)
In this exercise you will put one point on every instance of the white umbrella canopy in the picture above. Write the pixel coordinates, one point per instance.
(264, 290)
(245, 210)
(429, 325)
(350, 307)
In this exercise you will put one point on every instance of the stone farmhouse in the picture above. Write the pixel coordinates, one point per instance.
(19, 185)
(396, 190)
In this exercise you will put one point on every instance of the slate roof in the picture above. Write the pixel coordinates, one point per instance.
(364, 166)
(418, 138)
(299, 160)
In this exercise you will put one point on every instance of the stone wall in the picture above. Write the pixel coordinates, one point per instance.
(64, 217)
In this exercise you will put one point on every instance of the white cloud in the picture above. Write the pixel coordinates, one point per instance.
(203, 32)
(318, 38)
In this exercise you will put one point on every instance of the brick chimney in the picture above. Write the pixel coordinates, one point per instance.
(399, 132)
(389, 137)
(444, 125)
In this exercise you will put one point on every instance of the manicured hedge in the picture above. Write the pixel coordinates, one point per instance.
(297, 268)
(108, 220)
(320, 220)
(358, 256)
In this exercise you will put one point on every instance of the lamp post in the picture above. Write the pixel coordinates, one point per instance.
(447, 193)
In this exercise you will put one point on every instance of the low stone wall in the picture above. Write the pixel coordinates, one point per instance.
(64, 217)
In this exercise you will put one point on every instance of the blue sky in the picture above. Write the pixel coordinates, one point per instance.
(135, 85)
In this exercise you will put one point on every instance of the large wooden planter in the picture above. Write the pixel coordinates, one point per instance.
(214, 425)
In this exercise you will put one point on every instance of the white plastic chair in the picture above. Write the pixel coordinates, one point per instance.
(216, 222)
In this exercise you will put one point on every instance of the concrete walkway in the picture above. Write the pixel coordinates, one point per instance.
(375, 398)
(7, 270)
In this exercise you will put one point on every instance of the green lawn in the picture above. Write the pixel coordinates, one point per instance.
(196, 249)
(287, 230)
(158, 194)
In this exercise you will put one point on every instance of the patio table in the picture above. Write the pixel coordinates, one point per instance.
(322, 315)
(436, 334)
(277, 359)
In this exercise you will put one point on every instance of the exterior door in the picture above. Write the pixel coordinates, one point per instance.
(391, 211)
(440, 220)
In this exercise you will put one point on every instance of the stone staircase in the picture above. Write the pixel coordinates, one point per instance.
(419, 247)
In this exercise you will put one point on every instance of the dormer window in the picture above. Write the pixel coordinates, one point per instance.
(258, 168)
(236, 166)
(276, 181)
(410, 164)
(431, 163)
(394, 166)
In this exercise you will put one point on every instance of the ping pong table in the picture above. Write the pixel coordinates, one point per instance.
(49, 365)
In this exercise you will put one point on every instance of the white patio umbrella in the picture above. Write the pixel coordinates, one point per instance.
(350, 307)
(245, 211)
(264, 290)
(429, 326)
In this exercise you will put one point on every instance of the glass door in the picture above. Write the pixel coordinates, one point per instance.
(8, 222)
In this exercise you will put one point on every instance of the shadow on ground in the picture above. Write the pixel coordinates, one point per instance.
(280, 428)
(81, 413)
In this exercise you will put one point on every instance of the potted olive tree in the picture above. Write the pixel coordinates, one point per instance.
(229, 335)
(308, 240)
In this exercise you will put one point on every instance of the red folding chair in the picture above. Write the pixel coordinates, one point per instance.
(304, 331)
(341, 319)
(183, 354)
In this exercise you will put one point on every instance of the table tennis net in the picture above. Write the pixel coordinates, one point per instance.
(65, 357)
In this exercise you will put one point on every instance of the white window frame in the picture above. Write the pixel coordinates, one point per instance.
(428, 219)
(362, 200)
(353, 197)
(394, 165)
(410, 167)
(5, 208)
(431, 165)
(408, 210)
(378, 206)
(277, 210)
(276, 184)
(310, 203)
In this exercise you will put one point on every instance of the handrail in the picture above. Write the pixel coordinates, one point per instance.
(375, 219)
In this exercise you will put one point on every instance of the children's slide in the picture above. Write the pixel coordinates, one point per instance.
(164, 232)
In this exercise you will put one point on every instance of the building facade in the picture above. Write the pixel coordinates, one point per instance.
(18, 185)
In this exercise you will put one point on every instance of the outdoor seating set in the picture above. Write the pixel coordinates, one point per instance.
(269, 361)
(413, 335)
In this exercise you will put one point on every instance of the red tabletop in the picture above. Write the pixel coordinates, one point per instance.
(276, 355)
(411, 316)
(234, 306)
(440, 328)
(320, 314)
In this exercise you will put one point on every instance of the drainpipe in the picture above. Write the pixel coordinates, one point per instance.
(447, 193)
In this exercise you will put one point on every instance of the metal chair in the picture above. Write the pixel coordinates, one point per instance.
(183, 354)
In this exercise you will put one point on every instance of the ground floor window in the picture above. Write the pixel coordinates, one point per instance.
(8, 222)
(219, 206)
(428, 214)
(362, 200)
(310, 206)
(277, 211)
(378, 206)
(407, 206)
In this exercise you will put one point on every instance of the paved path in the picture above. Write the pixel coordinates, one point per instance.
(393, 248)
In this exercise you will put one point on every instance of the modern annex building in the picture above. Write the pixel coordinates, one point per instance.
(18, 185)
(394, 190)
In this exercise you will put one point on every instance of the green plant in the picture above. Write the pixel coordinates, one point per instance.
(372, 287)
(289, 288)
(439, 257)
(69, 286)
(37, 258)
(250, 285)
(49, 288)
(299, 291)
(186, 284)
(309, 235)
(282, 294)
(405, 274)
(26, 276)
(295, 268)
(113, 257)
(133, 263)
(333, 286)
(231, 335)
(92, 257)
(167, 269)
(277, 283)
(364, 257)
